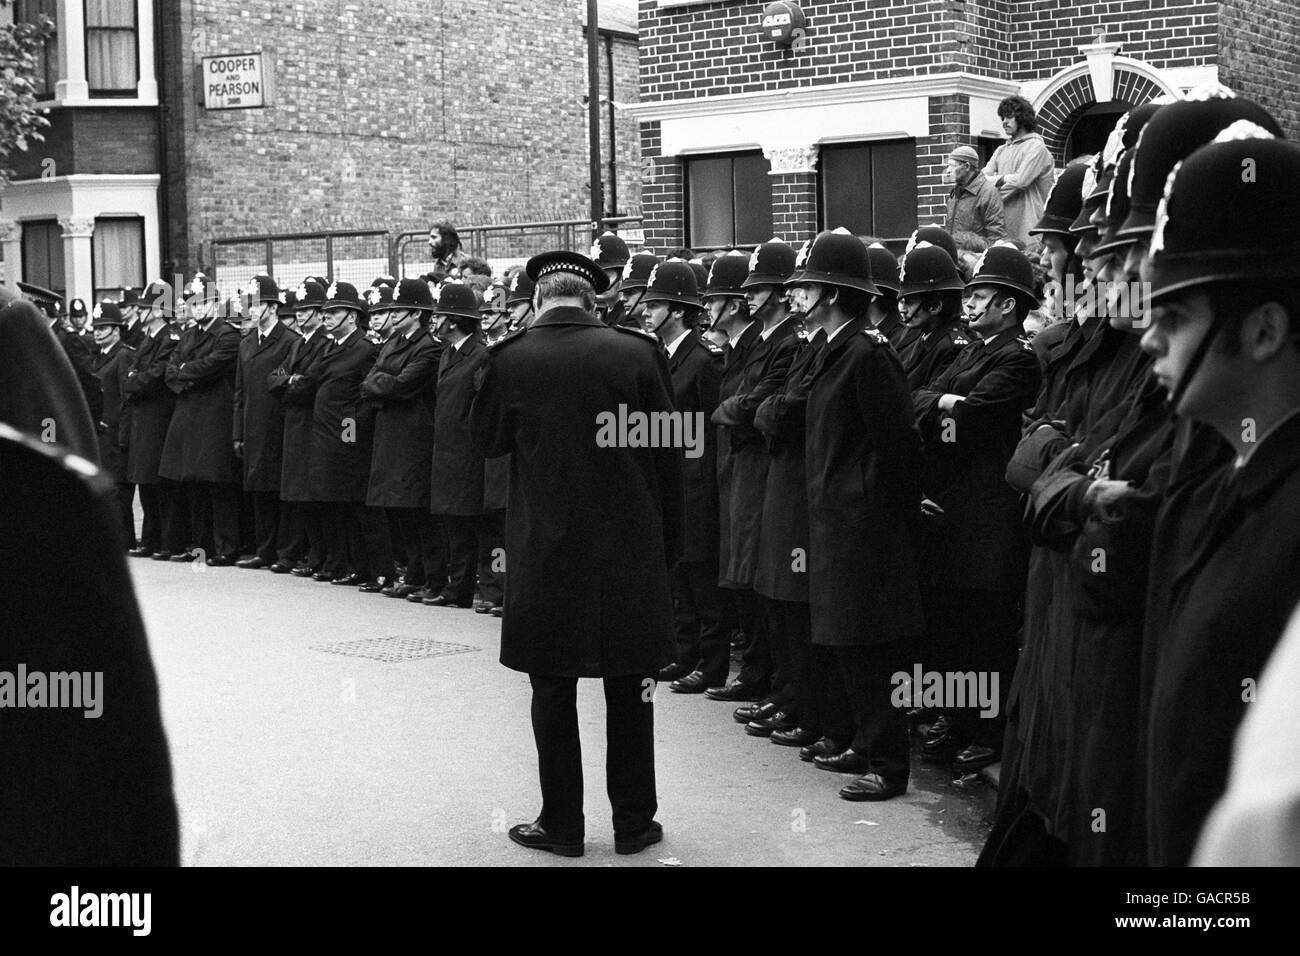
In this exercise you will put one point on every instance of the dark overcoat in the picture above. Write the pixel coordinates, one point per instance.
(201, 371)
(259, 412)
(863, 459)
(926, 357)
(456, 483)
(402, 386)
(696, 370)
(341, 429)
(735, 356)
(592, 527)
(149, 405)
(299, 405)
(111, 368)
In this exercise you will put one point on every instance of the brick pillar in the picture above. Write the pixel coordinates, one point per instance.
(794, 192)
(949, 128)
(661, 194)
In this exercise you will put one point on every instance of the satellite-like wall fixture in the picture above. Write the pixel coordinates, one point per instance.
(784, 23)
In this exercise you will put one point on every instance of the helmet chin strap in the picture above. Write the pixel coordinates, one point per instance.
(1193, 366)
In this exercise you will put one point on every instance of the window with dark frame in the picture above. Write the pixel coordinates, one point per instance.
(42, 246)
(728, 200)
(112, 62)
(47, 55)
(117, 256)
(868, 188)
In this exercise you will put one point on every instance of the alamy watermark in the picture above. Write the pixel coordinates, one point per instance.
(946, 690)
(624, 429)
(75, 690)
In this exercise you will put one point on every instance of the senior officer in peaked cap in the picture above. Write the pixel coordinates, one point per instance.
(402, 386)
(595, 523)
(862, 456)
(259, 417)
(672, 305)
(1225, 335)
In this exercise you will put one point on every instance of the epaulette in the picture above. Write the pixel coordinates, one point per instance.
(712, 346)
(1026, 343)
(507, 338)
(174, 336)
(959, 339)
(639, 333)
(876, 336)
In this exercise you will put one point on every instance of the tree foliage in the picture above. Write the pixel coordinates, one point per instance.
(21, 121)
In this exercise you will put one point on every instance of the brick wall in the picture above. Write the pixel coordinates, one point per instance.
(661, 193)
(794, 206)
(627, 135)
(389, 114)
(93, 141)
(1260, 55)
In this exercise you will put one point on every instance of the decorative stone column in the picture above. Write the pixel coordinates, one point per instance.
(72, 84)
(11, 237)
(794, 191)
(147, 88)
(78, 259)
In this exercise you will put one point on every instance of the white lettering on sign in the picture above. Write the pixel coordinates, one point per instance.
(233, 82)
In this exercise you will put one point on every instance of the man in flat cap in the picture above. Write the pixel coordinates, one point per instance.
(594, 522)
(974, 204)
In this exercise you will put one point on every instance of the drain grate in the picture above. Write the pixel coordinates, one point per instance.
(393, 649)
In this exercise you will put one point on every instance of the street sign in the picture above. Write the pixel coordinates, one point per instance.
(236, 81)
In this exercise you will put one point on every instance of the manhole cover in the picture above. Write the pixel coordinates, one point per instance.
(392, 649)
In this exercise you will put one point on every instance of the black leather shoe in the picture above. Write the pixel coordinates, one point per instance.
(693, 683)
(534, 837)
(304, 571)
(399, 590)
(760, 711)
(638, 842)
(440, 600)
(763, 727)
(872, 787)
(939, 728)
(373, 587)
(975, 757)
(184, 557)
(162, 556)
(822, 748)
(279, 567)
(848, 762)
(794, 737)
(349, 580)
(418, 595)
(735, 691)
(141, 552)
(253, 563)
(483, 607)
(672, 672)
(222, 561)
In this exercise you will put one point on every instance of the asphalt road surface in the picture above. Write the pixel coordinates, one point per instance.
(289, 749)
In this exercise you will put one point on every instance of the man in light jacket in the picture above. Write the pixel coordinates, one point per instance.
(1021, 168)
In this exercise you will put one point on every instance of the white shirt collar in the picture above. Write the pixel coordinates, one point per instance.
(673, 345)
(767, 333)
(831, 338)
(739, 332)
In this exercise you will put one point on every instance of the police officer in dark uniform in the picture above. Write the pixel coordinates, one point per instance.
(307, 552)
(403, 387)
(610, 252)
(929, 304)
(884, 306)
(520, 300)
(862, 455)
(636, 275)
(259, 417)
(199, 450)
(113, 360)
(586, 505)
(133, 330)
(672, 304)
(976, 549)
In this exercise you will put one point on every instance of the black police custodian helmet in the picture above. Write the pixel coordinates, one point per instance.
(573, 263)
(935, 236)
(261, 288)
(107, 313)
(288, 303)
(673, 281)
(379, 298)
(727, 275)
(884, 267)
(636, 274)
(1005, 266)
(1064, 203)
(411, 293)
(521, 289)
(927, 268)
(494, 299)
(311, 295)
(1173, 133)
(77, 309)
(835, 258)
(1251, 230)
(458, 300)
(609, 251)
(772, 263)
(344, 295)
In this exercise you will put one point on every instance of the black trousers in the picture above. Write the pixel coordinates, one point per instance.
(879, 728)
(629, 755)
(214, 517)
(126, 508)
(491, 528)
(357, 540)
(267, 526)
(462, 557)
(425, 547)
(176, 531)
(702, 644)
(756, 661)
(789, 630)
(973, 631)
(151, 525)
(292, 536)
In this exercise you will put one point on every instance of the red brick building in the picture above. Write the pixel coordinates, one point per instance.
(742, 138)
(386, 115)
